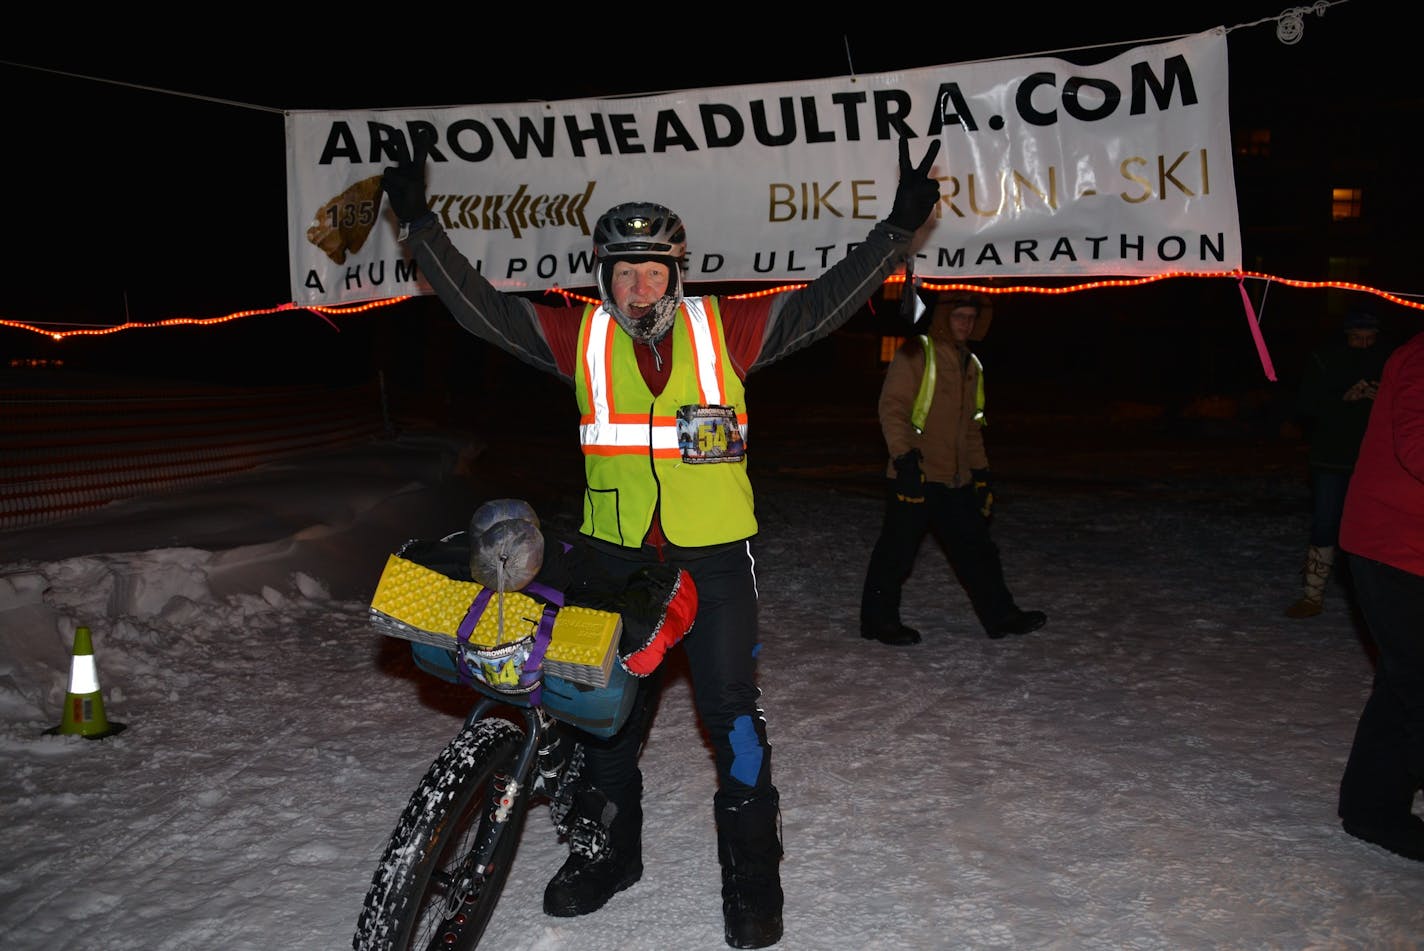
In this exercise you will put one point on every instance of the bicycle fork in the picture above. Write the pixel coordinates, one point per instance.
(510, 788)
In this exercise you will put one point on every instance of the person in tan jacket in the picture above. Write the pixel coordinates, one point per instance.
(938, 480)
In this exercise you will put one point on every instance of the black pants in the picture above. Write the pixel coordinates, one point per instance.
(1386, 765)
(953, 515)
(1327, 496)
(721, 658)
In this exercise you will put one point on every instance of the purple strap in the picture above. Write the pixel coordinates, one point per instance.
(543, 591)
(541, 644)
(541, 636)
(472, 616)
(467, 628)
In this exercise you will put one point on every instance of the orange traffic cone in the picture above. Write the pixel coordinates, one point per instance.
(84, 705)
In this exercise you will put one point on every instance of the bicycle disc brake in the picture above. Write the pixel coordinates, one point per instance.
(466, 881)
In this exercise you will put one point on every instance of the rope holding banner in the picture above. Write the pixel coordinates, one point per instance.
(1290, 25)
(1255, 326)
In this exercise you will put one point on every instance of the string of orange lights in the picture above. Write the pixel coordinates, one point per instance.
(328, 312)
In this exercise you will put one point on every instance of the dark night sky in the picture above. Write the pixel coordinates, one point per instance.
(179, 202)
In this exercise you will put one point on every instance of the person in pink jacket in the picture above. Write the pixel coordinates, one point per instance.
(1382, 530)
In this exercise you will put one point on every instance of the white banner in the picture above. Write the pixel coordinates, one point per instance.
(1047, 168)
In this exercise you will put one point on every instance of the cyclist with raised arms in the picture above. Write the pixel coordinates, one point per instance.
(658, 377)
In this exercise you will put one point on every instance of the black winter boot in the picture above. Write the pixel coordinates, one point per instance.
(880, 618)
(896, 635)
(605, 856)
(1018, 622)
(749, 848)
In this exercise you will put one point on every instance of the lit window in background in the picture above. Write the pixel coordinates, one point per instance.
(1345, 203)
(888, 346)
(1256, 142)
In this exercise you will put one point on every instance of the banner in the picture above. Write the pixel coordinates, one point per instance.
(1122, 168)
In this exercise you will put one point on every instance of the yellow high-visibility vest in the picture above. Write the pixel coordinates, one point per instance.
(920, 411)
(633, 465)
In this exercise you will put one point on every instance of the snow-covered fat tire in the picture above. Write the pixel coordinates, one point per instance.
(447, 817)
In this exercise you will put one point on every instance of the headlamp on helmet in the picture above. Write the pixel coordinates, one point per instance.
(640, 229)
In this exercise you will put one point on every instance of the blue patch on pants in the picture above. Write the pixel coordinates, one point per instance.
(746, 751)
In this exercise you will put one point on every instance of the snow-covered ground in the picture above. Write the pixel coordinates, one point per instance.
(1155, 769)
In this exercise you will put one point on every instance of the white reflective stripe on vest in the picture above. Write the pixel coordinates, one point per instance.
(704, 353)
(602, 432)
(627, 435)
(594, 356)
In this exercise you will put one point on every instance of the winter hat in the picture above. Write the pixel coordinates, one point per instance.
(956, 301)
(1360, 320)
(944, 306)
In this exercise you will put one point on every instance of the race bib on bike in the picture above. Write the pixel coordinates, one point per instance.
(709, 434)
(505, 667)
(512, 667)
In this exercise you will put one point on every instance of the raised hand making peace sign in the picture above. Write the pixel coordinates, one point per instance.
(917, 193)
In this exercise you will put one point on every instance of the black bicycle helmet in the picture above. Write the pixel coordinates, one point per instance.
(641, 231)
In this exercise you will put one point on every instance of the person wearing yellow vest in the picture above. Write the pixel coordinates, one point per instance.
(932, 417)
(663, 425)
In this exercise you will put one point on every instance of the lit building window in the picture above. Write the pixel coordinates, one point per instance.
(1345, 203)
(888, 346)
(1255, 142)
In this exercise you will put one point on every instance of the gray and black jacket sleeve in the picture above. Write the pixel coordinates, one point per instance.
(800, 318)
(505, 320)
(795, 319)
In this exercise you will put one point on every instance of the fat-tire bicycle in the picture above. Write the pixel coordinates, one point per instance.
(443, 868)
(445, 864)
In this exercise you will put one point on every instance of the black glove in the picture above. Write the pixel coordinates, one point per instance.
(917, 193)
(983, 492)
(404, 185)
(909, 480)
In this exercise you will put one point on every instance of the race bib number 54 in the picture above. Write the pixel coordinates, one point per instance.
(709, 434)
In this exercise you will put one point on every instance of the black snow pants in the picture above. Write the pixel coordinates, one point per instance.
(952, 514)
(721, 653)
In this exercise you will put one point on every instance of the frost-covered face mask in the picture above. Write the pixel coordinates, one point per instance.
(653, 325)
(642, 295)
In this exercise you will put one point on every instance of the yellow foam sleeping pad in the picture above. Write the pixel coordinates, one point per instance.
(429, 607)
